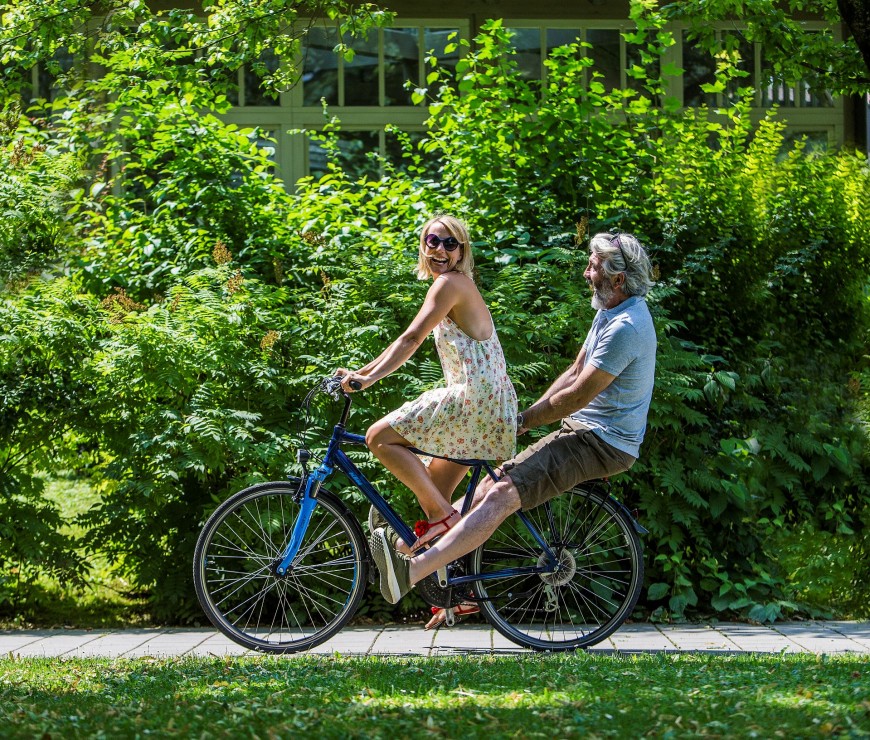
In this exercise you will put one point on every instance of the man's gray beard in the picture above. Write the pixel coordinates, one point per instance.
(601, 298)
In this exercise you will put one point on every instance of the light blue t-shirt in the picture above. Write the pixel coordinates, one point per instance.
(622, 342)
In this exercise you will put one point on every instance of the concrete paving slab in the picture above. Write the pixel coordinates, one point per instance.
(469, 639)
(857, 631)
(757, 638)
(816, 638)
(10, 642)
(641, 637)
(67, 642)
(403, 641)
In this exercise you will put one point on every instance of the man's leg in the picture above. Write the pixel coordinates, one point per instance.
(499, 501)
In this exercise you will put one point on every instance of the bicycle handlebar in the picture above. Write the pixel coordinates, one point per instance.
(332, 385)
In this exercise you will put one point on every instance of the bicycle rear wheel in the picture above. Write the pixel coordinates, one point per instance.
(587, 598)
(234, 569)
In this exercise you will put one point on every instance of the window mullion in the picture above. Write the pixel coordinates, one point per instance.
(382, 83)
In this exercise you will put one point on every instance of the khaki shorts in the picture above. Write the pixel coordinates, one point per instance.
(562, 460)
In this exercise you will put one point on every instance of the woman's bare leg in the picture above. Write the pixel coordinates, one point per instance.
(392, 450)
(446, 475)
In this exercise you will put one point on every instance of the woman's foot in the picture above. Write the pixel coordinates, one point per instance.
(439, 616)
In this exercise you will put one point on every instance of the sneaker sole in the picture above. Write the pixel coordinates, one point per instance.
(389, 584)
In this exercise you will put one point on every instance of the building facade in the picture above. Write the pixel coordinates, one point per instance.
(370, 93)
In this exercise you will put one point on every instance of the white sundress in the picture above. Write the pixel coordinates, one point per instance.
(474, 417)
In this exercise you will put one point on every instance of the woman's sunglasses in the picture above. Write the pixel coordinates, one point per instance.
(449, 243)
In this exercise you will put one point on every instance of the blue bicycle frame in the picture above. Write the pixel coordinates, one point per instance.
(335, 457)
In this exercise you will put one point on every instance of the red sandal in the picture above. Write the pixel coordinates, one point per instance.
(428, 531)
(440, 615)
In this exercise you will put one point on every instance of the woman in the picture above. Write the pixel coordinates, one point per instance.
(474, 416)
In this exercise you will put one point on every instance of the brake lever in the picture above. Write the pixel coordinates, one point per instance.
(332, 386)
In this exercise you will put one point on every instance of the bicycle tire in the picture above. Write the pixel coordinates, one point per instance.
(588, 598)
(237, 587)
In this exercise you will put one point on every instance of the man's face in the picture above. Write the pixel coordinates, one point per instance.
(602, 288)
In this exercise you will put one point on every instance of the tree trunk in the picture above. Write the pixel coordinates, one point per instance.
(856, 16)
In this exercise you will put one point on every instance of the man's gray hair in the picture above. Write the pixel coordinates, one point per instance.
(624, 253)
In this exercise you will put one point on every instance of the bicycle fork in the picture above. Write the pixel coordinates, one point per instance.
(313, 481)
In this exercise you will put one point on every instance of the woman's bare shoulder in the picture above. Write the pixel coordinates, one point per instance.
(457, 281)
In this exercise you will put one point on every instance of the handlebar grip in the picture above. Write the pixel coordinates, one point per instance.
(355, 384)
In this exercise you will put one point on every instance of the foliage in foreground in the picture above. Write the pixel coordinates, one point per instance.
(607, 696)
(169, 367)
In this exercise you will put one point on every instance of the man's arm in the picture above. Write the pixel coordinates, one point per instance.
(572, 391)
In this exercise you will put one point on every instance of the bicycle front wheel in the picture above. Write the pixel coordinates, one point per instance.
(238, 588)
(591, 593)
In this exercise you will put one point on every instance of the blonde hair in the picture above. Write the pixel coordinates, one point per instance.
(459, 231)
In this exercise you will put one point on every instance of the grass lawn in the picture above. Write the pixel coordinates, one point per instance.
(580, 695)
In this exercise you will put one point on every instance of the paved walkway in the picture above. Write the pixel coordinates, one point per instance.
(789, 637)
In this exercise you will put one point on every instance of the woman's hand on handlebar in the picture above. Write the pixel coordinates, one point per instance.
(352, 381)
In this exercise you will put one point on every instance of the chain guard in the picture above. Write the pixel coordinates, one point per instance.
(444, 598)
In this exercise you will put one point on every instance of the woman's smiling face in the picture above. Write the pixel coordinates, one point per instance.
(440, 261)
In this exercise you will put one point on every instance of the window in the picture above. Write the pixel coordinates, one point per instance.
(699, 69)
(46, 79)
(373, 90)
(355, 150)
(383, 63)
(611, 56)
(605, 53)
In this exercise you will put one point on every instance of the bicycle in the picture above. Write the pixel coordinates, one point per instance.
(281, 567)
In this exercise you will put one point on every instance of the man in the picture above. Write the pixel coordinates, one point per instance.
(602, 399)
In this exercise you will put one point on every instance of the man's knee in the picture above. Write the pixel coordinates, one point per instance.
(501, 498)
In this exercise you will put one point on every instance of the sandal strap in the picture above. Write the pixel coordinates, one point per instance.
(422, 526)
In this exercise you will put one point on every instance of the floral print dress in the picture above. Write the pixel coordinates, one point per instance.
(474, 417)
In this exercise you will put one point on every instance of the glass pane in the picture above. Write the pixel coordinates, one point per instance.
(436, 40)
(605, 54)
(813, 97)
(224, 81)
(561, 37)
(401, 63)
(816, 141)
(527, 42)
(746, 50)
(27, 91)
(320, 67)
(699, 68)
(361, 74)
(353, 150)
(255, 93)
(50, 72)
(774, 89)
(264, 139)
(634, 58)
